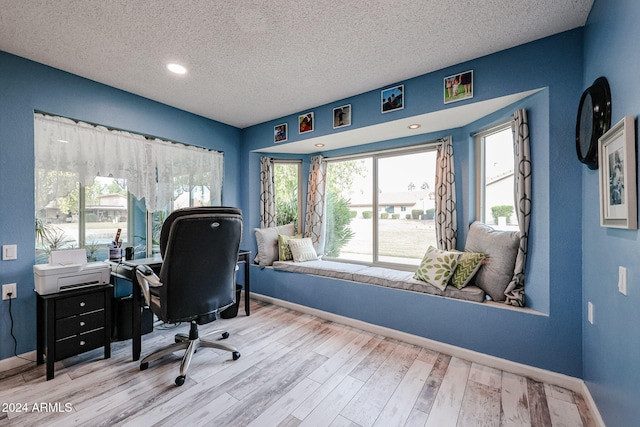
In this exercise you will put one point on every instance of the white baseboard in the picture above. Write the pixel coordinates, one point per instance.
(14, 362)
(576, 385)
(593, 408)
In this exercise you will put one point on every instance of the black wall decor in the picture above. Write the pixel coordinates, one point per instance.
(594, 119)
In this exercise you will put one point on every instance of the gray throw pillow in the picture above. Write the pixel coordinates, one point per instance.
(500, 249)
(267, 239)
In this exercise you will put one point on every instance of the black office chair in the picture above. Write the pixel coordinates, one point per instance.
(199, 247)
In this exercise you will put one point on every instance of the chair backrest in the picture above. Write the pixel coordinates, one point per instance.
(199, 248)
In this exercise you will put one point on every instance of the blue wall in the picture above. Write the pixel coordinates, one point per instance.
(26, 86)
(554, 282)
(572, 261)
(612, 343)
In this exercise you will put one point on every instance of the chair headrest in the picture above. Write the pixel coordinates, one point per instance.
(200, 210)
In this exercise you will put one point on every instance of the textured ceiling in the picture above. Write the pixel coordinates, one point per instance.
(253, 61)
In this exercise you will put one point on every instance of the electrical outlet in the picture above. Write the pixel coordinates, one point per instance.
(9, 288)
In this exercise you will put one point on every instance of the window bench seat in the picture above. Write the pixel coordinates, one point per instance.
(379, 276)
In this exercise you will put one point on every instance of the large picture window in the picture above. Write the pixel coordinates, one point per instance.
(88, 179)
(87, 217)
(380, 207)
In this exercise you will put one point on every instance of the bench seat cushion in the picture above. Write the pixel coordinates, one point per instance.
(379, 276)
(336, 270)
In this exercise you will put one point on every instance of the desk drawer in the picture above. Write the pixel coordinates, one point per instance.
(79, 344)
(75, 325)
(66, 307)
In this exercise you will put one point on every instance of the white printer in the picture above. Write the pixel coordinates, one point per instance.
(69, 270)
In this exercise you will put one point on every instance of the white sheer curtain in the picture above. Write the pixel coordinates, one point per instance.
(68, 152)
(179, 169)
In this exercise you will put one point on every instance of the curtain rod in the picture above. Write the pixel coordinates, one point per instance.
(111, 128)
(407, 148)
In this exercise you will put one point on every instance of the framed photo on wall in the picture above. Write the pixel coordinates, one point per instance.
(280, 133)
(305, 123)
(458, 87)
(392, 99)
(617, 157)
(342, 116)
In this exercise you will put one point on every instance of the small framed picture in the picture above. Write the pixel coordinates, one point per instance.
(305, 123)
(342, 116)
(280, 133)
(392, 99)
(458, 87)
(617, 158)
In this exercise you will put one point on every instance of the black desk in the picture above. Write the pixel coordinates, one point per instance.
(156, 263)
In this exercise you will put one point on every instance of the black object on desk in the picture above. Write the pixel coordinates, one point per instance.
(243, 258)
(156, 263)
(126, 270)
(73, 322)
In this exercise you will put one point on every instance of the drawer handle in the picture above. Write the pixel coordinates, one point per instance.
(82, 323)
(82, 343)
(82, 304)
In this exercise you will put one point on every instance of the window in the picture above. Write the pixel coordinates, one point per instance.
(87, 217)
(187, 193)
(90, 180)
(287, 177)
(380, 207)
(495, 178)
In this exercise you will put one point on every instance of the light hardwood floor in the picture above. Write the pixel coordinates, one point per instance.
(295, 370)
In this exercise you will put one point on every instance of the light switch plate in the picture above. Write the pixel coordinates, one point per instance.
(622, 280)
(590, 312)
(9, 252)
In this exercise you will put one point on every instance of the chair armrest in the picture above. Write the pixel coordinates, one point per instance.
(146, 281)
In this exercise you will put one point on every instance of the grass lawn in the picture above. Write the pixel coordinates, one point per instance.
(399, 238)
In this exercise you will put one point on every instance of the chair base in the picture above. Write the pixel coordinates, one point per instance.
(190, 343)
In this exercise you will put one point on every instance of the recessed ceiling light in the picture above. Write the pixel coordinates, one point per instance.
(319, 145)
(414, 126)
(176, 68)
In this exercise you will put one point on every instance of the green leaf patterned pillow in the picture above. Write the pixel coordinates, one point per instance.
(436, 267)
(284, 251)
(468, 264)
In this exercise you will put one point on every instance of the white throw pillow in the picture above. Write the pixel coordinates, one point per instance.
(302, 250)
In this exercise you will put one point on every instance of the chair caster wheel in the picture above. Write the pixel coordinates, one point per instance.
(236, 355)
(180, 380)
(144, 366)
(225, 335)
